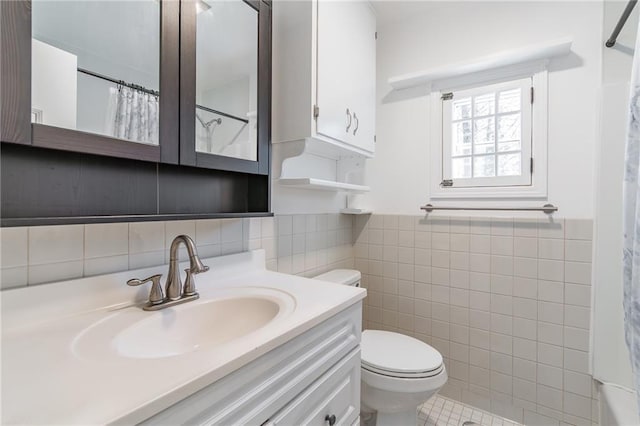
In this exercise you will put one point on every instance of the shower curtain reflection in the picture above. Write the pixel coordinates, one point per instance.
(132, 114)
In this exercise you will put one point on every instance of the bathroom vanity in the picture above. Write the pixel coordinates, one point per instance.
(257, 347)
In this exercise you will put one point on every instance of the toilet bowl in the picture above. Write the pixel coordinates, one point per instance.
(398, 372)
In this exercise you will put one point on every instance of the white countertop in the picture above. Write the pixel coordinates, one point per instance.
(46, 379)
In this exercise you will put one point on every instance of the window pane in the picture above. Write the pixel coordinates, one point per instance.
(484, 166)
(484, 105)
(461, 108)
(484, 135)
(461, 167)
(461, 138)
(509, 101)
(509, 164)
(509, 146)
(509, 128)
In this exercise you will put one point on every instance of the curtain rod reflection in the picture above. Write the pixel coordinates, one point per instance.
(155, 93)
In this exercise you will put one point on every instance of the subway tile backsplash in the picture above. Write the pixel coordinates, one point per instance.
(299, 244)
(506, 301)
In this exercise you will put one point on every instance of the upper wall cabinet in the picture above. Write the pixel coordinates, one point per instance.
(183, 82)
(324, 73)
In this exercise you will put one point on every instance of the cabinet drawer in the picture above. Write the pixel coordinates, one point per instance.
(336, 393)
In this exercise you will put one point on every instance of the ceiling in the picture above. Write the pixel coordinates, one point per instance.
(395, 10)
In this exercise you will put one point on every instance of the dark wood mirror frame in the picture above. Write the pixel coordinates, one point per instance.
(51, 175)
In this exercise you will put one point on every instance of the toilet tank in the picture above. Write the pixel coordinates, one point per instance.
(341, 276)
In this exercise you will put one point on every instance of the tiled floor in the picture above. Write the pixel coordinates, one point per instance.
(440, 411)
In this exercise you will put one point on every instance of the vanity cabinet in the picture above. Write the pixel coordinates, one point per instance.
(304, 382)
(324, 82)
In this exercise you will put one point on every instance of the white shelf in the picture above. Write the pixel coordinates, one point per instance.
(547, 50)
(322, 185)
(355, 211)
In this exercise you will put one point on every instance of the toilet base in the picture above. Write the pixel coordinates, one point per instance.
(402, 418)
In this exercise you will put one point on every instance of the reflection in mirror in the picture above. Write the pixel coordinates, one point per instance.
(226, 78)
(95, 67)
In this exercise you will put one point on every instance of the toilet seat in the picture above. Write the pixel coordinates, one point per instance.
(417, 375)
(396, 355)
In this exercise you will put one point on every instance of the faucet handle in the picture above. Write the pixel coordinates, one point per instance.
(156, 295)
(189, 283)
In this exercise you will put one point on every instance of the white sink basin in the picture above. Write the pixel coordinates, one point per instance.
(212, 323)
(183, 329)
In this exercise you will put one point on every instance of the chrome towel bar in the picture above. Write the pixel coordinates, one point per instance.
(547, 208)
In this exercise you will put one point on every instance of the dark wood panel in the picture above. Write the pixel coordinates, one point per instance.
(169, 78)
(220, 162)
(188, 26)
(190, 190)
(92, 143)
(264, 89)
(15, 45)
(39, 221)
(259, 191)
(39, 182)
(43, 187)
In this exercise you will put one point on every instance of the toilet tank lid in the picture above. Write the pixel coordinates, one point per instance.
(341, 276)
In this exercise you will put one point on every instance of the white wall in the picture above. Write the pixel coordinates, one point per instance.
(452, 33)
(609, 364)
(54, 84)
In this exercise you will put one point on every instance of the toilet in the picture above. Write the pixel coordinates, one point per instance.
(398, 372)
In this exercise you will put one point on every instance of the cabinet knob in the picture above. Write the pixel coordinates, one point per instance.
(331, 419)
(348, 122)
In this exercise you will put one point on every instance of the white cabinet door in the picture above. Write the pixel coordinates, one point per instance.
(334, 63)
(346, 71)
(362, 90)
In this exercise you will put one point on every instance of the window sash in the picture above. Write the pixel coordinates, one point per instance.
(525, 178)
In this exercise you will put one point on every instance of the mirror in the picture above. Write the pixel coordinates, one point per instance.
(96, 67)
(226, 78)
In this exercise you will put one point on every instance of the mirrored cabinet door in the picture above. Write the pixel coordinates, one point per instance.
(227, 79)
(92, 74)
(226, 40)
(95, 67)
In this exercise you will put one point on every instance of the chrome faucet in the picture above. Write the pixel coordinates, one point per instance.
(175, 292)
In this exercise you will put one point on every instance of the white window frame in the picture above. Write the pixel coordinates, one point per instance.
(537, 73)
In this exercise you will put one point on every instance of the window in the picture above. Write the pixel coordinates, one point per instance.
(489, 140)
(486, 135)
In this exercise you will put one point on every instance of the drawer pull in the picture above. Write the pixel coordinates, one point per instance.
(355, 117)
(331, 419)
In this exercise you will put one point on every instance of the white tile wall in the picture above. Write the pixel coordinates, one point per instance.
(506, 301)
(299, 244)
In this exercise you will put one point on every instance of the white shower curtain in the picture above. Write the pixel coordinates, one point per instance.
(631, 224)
(132, 115)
